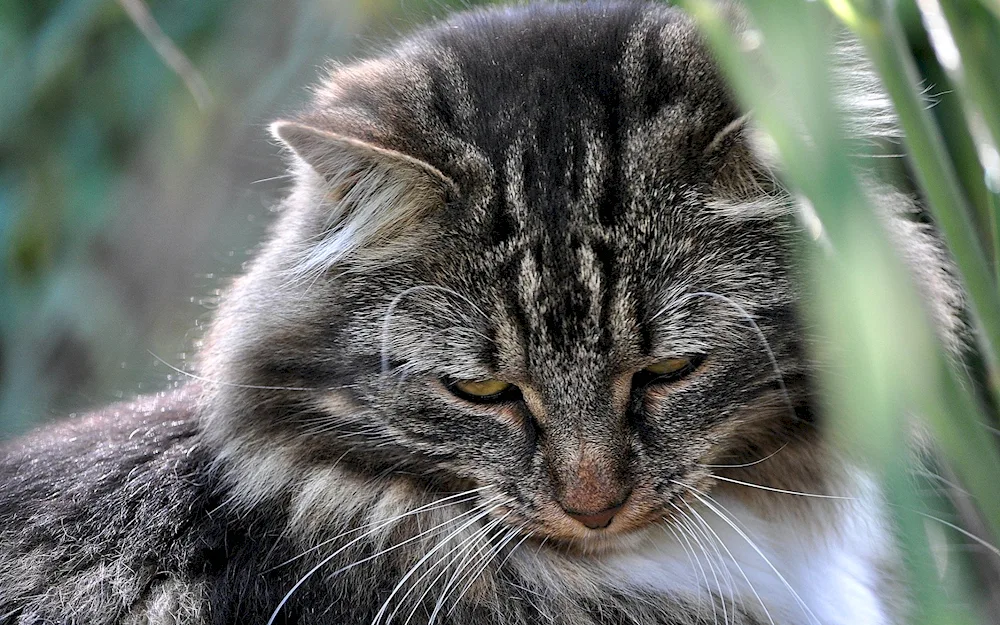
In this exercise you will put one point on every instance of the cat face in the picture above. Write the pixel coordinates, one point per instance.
(530, 254)
(578, 369)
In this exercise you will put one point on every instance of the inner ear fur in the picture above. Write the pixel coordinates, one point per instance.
(330, 154)
(369, 196)
(742, 169)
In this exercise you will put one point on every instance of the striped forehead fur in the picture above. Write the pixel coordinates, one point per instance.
(425, 80)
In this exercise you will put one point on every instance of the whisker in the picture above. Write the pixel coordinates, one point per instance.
(510, 535)
(700, 525)
(747, 464)
(434, 505)
(753, 545)
(783, 491)
(283, 176)
(979, 540)
(684, 543)
(724, 571)
(413, 569)
(711, 568)
(736, 562)
(684, 534)
(247, 386)
(960, 530)
(463, 547)
(940, 478)
(475, 510)
(330, 557)
(684, 518)
(474, 551)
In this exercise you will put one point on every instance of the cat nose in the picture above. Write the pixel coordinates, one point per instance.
(593, 491)
(595, 520)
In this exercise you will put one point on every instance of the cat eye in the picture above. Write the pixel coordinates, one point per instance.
(489, 391)
(668, 370)
(669, 366)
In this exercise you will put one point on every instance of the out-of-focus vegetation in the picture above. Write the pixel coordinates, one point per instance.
(885, 371)
(127, 196)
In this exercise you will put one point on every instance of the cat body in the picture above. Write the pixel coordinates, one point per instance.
(524, 347)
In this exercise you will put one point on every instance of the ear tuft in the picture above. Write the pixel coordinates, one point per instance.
(297, 137)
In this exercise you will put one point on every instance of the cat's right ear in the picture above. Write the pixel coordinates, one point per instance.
(331, 155)
(369, 197)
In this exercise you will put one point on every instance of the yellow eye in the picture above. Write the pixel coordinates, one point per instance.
(669, 366)
(667, 371)
(480, 389)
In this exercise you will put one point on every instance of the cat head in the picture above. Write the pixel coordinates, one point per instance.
(531, 251)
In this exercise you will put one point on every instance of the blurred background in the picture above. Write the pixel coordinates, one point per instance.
(137, 176)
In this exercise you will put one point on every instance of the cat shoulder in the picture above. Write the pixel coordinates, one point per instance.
(95, 511)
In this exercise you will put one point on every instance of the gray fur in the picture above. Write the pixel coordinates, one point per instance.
(557, 195)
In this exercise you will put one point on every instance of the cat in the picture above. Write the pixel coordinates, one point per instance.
(523, 339)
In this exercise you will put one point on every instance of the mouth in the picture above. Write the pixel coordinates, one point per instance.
(614, 530)
(622, 527)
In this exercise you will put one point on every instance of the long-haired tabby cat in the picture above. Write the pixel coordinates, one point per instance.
(524, 347)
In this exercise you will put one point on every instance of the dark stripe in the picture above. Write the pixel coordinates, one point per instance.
(609, 281)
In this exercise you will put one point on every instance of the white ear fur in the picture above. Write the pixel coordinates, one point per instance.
(369, 196)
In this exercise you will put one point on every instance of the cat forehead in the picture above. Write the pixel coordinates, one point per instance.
(559, 83)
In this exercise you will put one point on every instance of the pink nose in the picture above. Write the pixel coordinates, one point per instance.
(595, 520)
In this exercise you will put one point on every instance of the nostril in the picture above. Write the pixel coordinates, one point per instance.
(595, 520)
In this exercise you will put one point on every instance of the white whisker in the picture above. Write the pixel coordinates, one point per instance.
(683, 541)
(708, 560)
(462, 548)
(705, 500)
(747, 464)
(330, 557)
(685, 535)
(474, 551)
(469, 495)
(979, 540)
(736, 562)
(510, 535)
(234, 385)
(783, 491)
(693, 525)
(963, 532)
(413, 569)
(713, 540)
